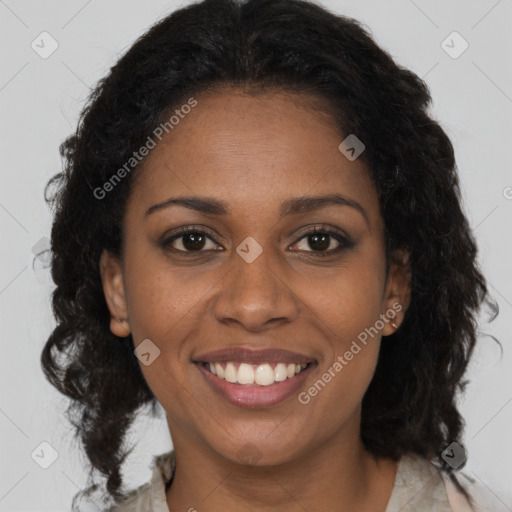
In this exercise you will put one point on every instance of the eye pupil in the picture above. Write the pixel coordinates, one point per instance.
(193, 241)
(320, 240)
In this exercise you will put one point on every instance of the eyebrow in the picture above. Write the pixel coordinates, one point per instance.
(293, 206)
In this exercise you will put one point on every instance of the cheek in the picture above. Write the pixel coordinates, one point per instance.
(347, 307)
(162, 300)
(348, 367)
(349, 298)
(164, 307)
(166, 304)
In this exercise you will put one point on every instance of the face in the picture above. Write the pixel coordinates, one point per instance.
(248, 275)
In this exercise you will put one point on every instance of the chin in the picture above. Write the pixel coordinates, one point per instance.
(263, 450)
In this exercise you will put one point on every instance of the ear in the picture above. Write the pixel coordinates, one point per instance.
(113, 289)
(397, 295)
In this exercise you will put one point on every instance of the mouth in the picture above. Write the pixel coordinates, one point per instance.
(261, 378)
(266, 374)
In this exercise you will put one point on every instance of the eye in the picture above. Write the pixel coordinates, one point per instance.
(190, 240)
(320, 239)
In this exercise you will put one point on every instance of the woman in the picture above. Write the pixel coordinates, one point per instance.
(259, 228)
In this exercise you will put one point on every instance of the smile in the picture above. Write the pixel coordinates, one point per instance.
(265, 374)
(260, 378)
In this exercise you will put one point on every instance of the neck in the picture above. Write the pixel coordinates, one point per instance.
(337, 475)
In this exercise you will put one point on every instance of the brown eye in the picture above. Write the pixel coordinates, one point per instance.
(320, 241)
(190, 241)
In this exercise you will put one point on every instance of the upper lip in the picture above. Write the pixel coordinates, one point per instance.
(245, 355)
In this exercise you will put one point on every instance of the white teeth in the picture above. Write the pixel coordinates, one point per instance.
(248, 374)
(264, 375)
(280, 372)
(219, 371)
(230, 373)
(245, 374)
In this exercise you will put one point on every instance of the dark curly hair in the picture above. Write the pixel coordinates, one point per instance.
(257, 46)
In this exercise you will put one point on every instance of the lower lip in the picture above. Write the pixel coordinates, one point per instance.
(255, 396)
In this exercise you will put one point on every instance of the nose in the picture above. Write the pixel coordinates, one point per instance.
(255, 294)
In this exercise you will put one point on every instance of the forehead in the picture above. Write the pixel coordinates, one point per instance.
(252, 150)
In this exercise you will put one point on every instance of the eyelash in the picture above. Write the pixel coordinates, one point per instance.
(344, 241)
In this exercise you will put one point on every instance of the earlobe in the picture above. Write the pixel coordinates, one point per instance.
(113, 290)
(398, 292)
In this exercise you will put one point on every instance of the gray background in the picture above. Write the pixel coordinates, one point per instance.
(40, 100)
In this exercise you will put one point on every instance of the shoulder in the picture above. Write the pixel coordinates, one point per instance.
(151, 495)
(421, 485)
(483, 498)
(135, 501)
(418, 486)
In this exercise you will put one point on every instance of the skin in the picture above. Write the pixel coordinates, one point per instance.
(310, 456)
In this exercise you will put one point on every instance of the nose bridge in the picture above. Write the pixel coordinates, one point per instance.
(252, 291)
